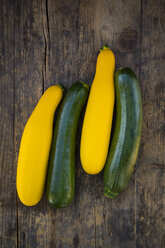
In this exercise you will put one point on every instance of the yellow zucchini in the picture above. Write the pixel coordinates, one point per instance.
(35, 147)
(98, 116)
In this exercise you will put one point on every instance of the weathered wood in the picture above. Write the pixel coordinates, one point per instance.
(63, 66)
(43, 42)
(150, 188)
(8, 203)
(29, 59)
(115, 219)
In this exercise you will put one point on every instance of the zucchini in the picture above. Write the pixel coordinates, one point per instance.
(61, 171)
(127, 133)
(35, 147)
(98, 116)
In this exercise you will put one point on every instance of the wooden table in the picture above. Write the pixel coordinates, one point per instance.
(44, 42)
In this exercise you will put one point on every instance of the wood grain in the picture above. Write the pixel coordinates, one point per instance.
(29, 59)
(8, 203)
(43, 42)
(150, 187)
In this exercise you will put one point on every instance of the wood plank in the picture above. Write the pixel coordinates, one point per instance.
(29, 84)
(115, 219)
(151, 166)
(62, 66)
(8, 203)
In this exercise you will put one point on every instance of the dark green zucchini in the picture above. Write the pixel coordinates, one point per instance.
(127, 133)
(61, 169)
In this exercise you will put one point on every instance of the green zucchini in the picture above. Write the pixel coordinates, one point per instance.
(61, 169)
(127, 133)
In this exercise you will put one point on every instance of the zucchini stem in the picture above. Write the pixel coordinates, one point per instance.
(85, 85)
(105, 47)
(61, 85)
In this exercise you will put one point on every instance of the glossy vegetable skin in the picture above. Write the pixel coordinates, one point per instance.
(61, 171)
(98, 116)
(127, 134)
(35, 147)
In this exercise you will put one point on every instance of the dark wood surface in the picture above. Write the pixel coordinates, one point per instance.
(43, 42)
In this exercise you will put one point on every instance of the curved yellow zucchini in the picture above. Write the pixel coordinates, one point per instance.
(35, 147)
(98, 116)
